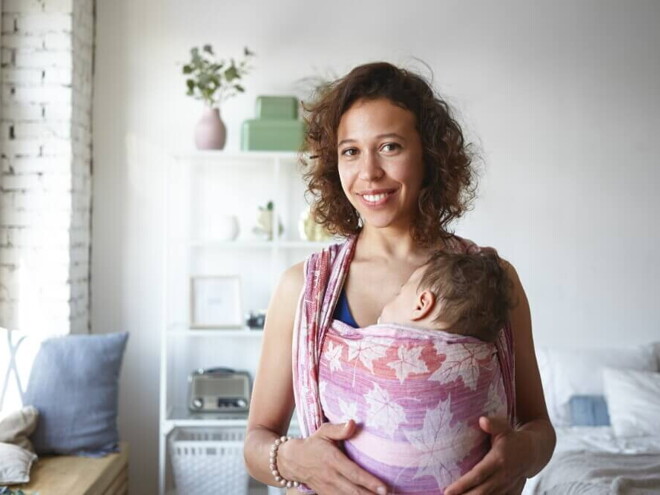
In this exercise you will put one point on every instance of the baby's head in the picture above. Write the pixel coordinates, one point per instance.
(469, 294)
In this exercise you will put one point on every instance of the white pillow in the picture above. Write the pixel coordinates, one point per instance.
(17, 426)
(633, 400)
(15, 464)
(569, 372)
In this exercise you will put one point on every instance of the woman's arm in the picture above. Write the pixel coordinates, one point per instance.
(521, 452)
(315, 461)
(272, 400)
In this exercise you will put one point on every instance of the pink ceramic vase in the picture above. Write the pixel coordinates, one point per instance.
(210, 131)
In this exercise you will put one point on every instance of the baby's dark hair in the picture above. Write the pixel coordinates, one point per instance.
(474, 291)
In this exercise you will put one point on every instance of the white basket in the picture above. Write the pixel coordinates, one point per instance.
(209, 461)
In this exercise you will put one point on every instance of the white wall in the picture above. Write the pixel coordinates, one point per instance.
(562, 98)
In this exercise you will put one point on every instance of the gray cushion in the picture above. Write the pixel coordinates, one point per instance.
(74, 385)
(15, 464)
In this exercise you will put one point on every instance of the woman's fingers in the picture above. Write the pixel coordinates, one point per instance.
(345, 477)
(336, 432)
(347, 487)
(518, 487)
(494, 425)
(353, 478)
(483, 472)
(485, 489)
(358, 476)
(496, 472)
(477, 476)
(495, 485)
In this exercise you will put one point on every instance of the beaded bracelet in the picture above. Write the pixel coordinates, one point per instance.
(273, 463)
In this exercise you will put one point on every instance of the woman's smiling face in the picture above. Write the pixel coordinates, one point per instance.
(379, 154)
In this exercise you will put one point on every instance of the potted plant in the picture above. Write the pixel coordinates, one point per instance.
(213, 81)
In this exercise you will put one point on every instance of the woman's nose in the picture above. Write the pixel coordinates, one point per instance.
(370, 168)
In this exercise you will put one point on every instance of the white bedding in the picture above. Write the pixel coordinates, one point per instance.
(602, 439)
(637, 457)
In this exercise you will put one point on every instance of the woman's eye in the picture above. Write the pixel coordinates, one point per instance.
(349, 152)
(390, 147)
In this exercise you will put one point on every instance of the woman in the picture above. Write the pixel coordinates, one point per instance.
(391, 172)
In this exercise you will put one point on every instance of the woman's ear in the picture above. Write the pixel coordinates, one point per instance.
(424, 305)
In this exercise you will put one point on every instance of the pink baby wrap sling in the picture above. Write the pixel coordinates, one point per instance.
(415, 394)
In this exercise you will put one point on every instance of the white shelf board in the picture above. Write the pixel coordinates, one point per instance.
(180, 416)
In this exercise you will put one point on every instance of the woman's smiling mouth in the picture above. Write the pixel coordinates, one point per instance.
(376, 198)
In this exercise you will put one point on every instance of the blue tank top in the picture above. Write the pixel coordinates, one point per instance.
(343, 312)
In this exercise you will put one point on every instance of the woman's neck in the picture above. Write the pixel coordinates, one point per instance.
(388, 243)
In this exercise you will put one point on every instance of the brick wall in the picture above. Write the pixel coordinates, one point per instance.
(45, 176)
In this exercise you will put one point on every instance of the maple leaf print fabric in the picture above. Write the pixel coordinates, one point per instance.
(417, 401)
(416, 394)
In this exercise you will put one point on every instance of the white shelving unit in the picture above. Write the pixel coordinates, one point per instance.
(200, 187)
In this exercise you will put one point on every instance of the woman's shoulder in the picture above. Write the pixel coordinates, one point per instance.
(292, 280)
(293, 277)
(331, 250)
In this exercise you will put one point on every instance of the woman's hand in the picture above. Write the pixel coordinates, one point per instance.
(502, 470)
(321, 465)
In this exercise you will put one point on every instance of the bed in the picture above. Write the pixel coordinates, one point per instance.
(605, 405)
(593, 460)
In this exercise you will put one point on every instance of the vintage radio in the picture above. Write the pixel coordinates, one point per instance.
(219, 390)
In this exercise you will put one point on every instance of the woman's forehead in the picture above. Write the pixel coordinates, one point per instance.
(368, 117)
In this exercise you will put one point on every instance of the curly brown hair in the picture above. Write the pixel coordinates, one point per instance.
(449, 184)
(475, 290)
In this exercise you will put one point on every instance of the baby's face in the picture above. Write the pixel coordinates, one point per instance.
(400, 308)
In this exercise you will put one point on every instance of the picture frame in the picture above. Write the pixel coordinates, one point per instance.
(215, 302)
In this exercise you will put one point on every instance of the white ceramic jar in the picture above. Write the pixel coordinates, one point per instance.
(225, 228)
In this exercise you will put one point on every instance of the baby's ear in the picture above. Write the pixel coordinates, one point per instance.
(424, 305)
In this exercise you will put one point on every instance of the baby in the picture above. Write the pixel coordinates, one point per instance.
(466, 294)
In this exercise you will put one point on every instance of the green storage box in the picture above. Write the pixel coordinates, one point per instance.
(277, 107)
(272, 135)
